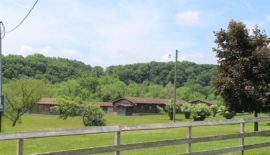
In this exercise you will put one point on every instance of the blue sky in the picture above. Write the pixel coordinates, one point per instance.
(112, 32)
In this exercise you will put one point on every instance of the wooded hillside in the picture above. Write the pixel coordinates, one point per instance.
(77, 80)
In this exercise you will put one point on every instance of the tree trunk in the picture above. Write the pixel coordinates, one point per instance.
(14, 122)
(256, 124)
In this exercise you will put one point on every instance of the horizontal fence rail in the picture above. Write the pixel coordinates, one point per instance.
(118, 147)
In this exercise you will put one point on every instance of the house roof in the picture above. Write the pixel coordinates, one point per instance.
(140, 100)
(51, 101)
(47, 101)
(209, 102)
(102, 104)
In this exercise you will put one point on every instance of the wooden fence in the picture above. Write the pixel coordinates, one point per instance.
(20, 136)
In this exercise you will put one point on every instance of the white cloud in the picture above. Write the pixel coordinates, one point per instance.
(127, 33)
(26, 50)
(188, 18)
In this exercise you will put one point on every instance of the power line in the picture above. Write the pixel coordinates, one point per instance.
(22, 19)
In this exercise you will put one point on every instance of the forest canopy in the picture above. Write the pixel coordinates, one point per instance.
(78, 80)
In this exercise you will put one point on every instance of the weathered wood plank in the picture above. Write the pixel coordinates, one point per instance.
(93, 130)
(104, 149)
(123, 147)
(254, 146)
(53, 133)
(154, 126)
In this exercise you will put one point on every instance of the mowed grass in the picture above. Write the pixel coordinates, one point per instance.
(47, 122)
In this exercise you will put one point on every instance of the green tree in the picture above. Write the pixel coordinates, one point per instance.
(92, 114)
(110, 88)
(242, 78)
(21, 95)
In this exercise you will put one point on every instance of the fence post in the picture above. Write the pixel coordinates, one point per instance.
(188, 146)
(19, 150)
(117, 141)
(242, 139)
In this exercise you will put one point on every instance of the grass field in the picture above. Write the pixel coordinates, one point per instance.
(44, 122)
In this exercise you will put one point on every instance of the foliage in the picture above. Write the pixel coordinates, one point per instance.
(223, 111)
(243, 72)
(186, 107)
(92, 115)
(52, 69)
(200, 111)
(21, 95)
(80, 81)
(169, 108)
(162, 73)
(68, 108)
(214, 109)
(228, 114)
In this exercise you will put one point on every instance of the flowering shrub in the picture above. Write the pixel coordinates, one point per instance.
(229, 114)
(200, 111)
(169, 109)
(93, 115)
(186, 110)
(226, 113)
(214, 109)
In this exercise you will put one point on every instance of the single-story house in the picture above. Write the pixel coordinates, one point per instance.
(130, 105)
(207, 102)
(44, 106)
(106, 106)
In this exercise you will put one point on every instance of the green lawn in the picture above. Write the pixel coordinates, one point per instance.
(44, 122)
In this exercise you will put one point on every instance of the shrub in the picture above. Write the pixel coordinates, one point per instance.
(200, 111)
(93, 115)
(67, 108)
(221, 109)
(214, 109)
(169, 108)
(228, 114)
(186, 110)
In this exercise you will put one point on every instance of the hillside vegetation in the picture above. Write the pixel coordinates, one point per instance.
(77, 80)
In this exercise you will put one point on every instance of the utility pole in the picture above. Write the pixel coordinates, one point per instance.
(1, 96)
(174, 102)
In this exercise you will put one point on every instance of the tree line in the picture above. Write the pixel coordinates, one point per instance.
(77, 80)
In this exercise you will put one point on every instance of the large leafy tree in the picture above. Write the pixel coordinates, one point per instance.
(21, 95)
(243, 68)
